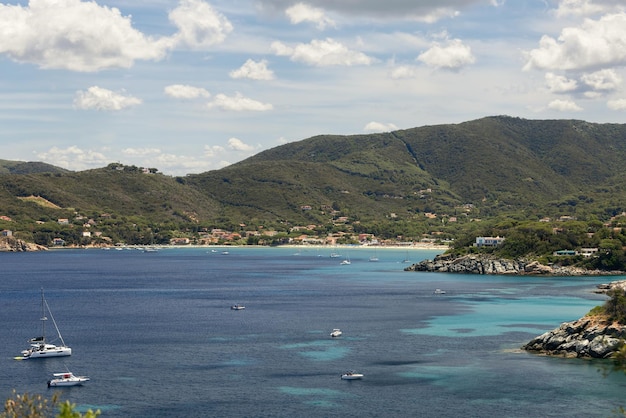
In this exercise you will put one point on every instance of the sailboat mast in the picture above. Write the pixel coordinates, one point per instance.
(55, 323)
(43, 317)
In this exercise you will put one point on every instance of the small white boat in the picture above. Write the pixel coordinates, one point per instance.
(237, 307)
(336, 333)
(345, 262)
(67, 379)
(351, 375)
(39, 346)
(439, 292)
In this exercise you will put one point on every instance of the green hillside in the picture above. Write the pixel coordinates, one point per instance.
(405, 183)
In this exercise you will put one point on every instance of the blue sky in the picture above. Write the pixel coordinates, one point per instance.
(190, 86)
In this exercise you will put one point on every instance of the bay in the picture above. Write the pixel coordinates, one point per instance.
(155, 333)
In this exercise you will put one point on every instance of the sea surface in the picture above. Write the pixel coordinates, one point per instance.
(155, 333)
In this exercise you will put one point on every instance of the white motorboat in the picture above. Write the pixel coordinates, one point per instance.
(345, 262)
(39, 346)
(439, 292)
(336, 333)
(66, 379)
(237, 307)
(351, 375)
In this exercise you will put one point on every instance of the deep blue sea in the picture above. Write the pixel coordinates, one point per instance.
(156, 335)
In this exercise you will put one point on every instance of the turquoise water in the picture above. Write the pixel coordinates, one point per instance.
(155, 333)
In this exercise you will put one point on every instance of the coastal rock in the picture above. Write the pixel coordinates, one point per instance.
(487, 264)
(605, 287)
(17, 245)
(588, 337)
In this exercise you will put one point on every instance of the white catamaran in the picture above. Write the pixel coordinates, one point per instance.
(39, 346)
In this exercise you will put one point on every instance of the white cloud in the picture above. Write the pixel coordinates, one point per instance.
(560, 84)
(86, 37)
(238, 103)
(380, 127)
(102, 99)
(452, 55)
(253, 70)
(596, 43)
(213, 150)
(183, 91)
(564, 106)
(199, 24)
(74, 35)
(322, 53)
(435, 15)
(403, 71)
(238, 145)
(73, 157)
(603, 80)
(302, 12)
(588, 7)
(618, 104)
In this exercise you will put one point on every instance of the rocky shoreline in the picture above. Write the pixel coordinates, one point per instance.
(17, 245)
(587, 337)
(592, 336)
(487, 264)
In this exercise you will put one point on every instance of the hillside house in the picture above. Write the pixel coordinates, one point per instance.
(565, 253)
(488, 241)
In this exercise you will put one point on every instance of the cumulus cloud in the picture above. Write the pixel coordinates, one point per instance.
(102, 99)
(618, 104)
(302, 12)
(199, 24)
(322, 53)
(560, 84)
(380, 127)
(588, 7)
(73, 157)
(564, 106)
(253, 70)
(596, 43)
(451, 55)
(86, 37)
(238, 145)
(238, 103)
(603, 80)
(184, 91)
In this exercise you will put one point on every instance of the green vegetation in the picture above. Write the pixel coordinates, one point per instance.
(36, 406)
(493, 176)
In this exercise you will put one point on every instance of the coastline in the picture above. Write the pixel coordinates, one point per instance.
(411, 247)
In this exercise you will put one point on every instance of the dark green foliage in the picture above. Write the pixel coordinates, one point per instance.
(615, 307)
(493, 176)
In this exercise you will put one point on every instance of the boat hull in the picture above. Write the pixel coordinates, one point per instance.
(355, 376)
(76, 381)
(47, 352)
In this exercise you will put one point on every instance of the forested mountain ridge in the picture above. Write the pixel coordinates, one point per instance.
(407, 182)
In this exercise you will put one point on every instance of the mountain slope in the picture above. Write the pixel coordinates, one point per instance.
(495, 165)
(495, 161)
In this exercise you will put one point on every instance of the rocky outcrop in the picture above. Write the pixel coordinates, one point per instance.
(17, 245)
(588, 337)
(487, 264)
(605, 287)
